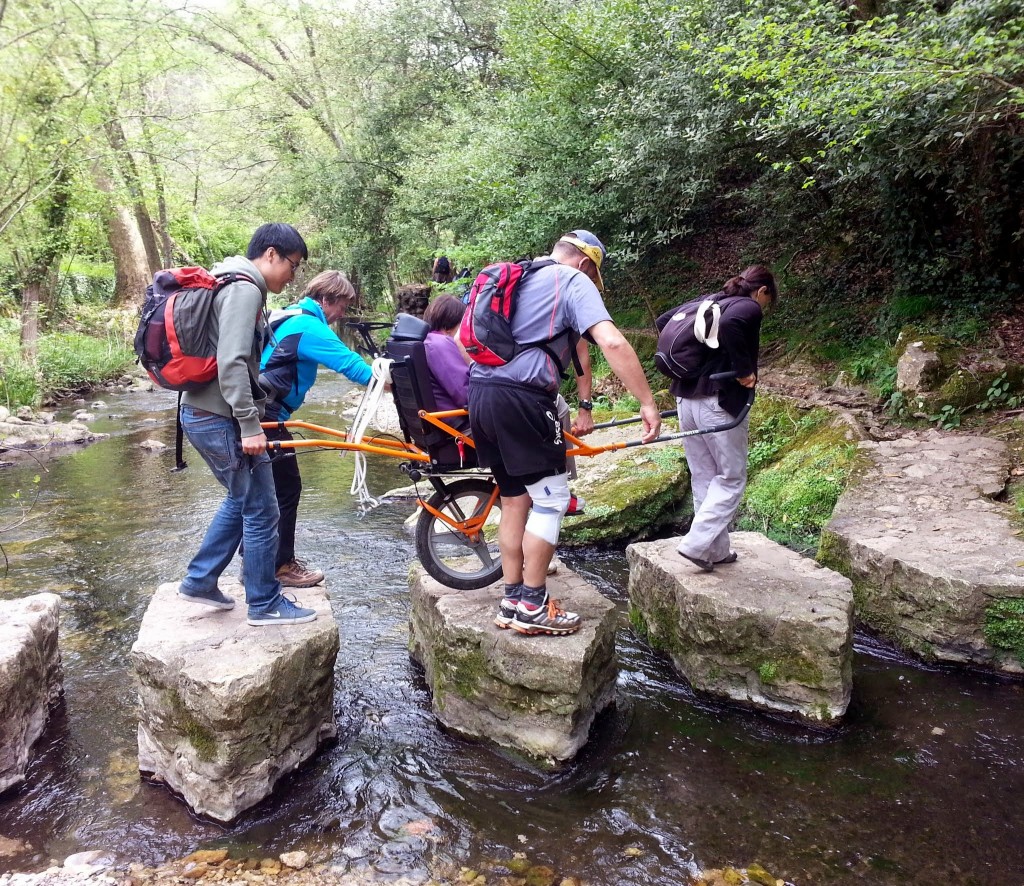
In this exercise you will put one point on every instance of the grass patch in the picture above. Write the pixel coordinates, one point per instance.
(799, 465)
(66, 362)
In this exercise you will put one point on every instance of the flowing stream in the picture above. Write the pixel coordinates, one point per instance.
(921, 785)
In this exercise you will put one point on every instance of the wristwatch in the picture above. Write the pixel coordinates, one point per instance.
(586, 404)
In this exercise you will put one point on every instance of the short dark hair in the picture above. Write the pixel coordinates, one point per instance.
(283, 238)
(444, 312)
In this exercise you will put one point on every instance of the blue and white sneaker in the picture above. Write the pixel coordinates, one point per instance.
(283, 612)
(214, 598)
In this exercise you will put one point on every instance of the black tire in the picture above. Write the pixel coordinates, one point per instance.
(448, 555)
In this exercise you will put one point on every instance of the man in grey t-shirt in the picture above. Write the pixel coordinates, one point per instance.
(515, 421)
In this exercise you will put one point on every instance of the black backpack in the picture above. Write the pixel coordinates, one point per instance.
(687, 340)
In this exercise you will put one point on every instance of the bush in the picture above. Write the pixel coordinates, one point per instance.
(68, 361)
(19, 382)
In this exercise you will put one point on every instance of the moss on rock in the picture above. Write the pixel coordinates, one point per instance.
(639, 495)
(201, 738)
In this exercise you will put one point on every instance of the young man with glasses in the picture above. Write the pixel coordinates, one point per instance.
(222, 421)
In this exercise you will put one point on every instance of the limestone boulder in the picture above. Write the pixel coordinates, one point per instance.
(936, 563)
(536, 695)
(30, 678)
(225, 709)
(772, 630)
(919, 369)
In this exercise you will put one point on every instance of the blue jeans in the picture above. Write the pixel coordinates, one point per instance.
(248, 512)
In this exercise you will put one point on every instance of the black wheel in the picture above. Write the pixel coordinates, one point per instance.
(452, 557)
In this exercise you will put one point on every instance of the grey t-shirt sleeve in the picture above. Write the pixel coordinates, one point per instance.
(584, 306)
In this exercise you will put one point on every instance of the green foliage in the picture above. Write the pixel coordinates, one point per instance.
(19, 381)
(947, 418)
(1004, 625)
(799, 465)
(1000, 395)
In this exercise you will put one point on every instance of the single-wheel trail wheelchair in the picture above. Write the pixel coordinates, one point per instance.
(457, 528)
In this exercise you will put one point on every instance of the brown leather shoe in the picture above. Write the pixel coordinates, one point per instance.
(296, 574)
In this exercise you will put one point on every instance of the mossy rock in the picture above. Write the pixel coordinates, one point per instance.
(947, 350)
(631, 495)
(966, 387)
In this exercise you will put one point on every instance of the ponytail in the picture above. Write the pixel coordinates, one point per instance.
(751, 280)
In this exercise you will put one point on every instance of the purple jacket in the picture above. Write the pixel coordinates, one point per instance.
(449, 372)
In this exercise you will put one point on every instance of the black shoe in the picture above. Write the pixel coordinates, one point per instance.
(731, 557)
(704, 565)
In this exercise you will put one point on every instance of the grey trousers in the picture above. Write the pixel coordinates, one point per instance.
(718, 476)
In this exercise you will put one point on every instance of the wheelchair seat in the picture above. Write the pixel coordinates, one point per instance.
(410, 386)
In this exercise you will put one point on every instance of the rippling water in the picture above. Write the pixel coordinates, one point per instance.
(921, 785)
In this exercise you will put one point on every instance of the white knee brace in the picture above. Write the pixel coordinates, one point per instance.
(550, 500)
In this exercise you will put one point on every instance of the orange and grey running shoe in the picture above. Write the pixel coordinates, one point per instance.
(544, 618)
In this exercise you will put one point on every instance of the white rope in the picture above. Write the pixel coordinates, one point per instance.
(368, 406)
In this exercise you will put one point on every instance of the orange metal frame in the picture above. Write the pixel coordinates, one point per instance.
(470, 527)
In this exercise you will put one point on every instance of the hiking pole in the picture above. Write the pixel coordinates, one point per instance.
(668, 413)
(697, 432)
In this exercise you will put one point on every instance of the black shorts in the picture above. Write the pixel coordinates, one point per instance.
(517, 433)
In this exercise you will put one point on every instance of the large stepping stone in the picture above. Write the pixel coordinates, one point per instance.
(30, 678)
(536, 695)
(772, 630)
(227, 709)
(933, 557)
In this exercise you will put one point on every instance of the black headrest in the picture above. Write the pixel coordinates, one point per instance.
(409, 328)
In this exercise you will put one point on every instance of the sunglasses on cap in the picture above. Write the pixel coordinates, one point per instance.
(590, 251)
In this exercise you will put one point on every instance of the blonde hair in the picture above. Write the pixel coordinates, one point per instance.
(330, 287)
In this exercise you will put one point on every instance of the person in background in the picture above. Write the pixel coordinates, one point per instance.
(222, 421)
(442, 270)
(718, 462)
(303, 341)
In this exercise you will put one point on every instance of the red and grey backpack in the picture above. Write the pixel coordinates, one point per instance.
(172, 340)
(486, 330)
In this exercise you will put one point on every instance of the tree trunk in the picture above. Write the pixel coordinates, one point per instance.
(30, 321)
(130, 174)
(131, 264)
(162, 226)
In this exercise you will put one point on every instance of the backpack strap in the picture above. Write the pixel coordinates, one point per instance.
(179, 460)
(545, 344)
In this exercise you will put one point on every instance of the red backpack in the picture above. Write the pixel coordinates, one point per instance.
(172, 341)
(486, 329)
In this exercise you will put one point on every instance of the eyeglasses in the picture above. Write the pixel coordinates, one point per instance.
(294, 264)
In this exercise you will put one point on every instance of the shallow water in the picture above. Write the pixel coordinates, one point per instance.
(921, 785)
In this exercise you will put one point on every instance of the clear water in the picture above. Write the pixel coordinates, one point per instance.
(920, 786)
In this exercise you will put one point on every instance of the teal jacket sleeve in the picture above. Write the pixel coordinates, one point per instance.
(321, 345)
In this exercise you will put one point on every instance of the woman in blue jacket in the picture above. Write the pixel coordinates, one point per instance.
(303, 341)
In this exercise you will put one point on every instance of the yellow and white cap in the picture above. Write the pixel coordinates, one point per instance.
(591, 247)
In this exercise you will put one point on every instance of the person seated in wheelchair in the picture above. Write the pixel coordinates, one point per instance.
(448, 363)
